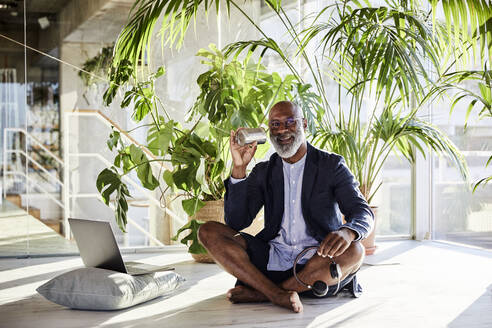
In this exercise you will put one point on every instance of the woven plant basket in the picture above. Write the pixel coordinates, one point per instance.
(212, 211)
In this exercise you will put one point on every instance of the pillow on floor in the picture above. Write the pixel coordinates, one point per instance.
(100, 289)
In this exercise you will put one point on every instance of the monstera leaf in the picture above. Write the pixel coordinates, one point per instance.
(195, 247)
(109, 182)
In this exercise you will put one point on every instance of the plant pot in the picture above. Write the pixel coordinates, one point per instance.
(212, 211)
(370, 241)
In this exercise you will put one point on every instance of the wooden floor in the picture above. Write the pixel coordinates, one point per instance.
(407, 284)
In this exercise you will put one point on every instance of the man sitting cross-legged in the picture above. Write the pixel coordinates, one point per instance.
(302, 189)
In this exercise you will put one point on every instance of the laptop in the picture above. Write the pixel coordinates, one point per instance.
(98, 248)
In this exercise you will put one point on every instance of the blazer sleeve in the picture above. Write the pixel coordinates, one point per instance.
(351, 202)
(242, 201)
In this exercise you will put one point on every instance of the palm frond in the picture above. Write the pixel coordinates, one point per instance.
(470, 20)
(134, 41)
(381, 46)
(429, 135)
(453, 82)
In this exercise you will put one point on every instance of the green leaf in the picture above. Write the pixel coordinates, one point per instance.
(114, 137)
(109, 182)
(192, 205)
(120, 75)
(143, 106)
(168, 178)
(200, 177)
(184, 178)
(160, 71)
(158, 140)
(117, 160)
(143, 168)
(194, 247)
(202, 130)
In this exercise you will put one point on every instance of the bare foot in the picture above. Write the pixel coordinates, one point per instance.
(243, 294)
(289, 300)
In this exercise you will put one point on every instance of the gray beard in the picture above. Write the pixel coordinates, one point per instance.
(287, 151)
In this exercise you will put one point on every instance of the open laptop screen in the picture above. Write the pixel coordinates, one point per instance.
(97, 245)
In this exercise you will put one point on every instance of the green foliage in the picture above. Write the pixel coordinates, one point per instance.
(118, 76)
(381, 49)
(144, 170)
(239, 93)
(159, 137)
(192, 205)
(477, 94)
(366, 51)
(194, 246)
(197, 169)
(135, 39)
(468, 23)
(143, 97)
(98, 66)
(109, 182)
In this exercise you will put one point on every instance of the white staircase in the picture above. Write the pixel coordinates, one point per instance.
(149, 222)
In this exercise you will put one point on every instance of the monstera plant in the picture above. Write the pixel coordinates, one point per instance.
(232, 94)
(373, 68)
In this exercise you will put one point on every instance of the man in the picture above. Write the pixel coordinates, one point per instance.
(301, 189)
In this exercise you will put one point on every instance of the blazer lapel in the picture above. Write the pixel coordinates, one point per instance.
(308, 178)
(277, 189)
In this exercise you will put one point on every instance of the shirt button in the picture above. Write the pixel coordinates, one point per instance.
(293, 182)
(293, 201)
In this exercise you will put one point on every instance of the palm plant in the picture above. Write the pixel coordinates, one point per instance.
(365, 50)
(391, 53)
(467, 36)
(378, 52)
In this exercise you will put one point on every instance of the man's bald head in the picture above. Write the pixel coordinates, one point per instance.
(285, 108)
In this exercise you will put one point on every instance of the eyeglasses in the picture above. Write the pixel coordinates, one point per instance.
(288, 123)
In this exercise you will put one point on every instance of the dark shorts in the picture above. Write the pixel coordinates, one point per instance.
(259, 252)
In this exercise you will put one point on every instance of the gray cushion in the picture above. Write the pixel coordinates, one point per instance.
(100, 289)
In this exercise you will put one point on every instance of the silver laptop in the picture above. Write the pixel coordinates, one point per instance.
(98, 248)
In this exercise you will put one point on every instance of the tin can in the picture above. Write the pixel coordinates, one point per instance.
(247, 136)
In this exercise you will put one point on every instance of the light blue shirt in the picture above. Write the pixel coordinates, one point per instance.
(293, 235)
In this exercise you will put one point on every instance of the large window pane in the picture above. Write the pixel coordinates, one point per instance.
(461, 215)
(15, 226)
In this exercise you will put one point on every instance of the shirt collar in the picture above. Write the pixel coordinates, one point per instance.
(297, 164)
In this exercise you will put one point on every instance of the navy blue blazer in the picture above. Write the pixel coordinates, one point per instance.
(328, 188)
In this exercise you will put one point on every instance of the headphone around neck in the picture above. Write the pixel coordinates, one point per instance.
(319, 287)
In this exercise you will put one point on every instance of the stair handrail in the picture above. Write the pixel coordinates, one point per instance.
(133, 183)
(36, 141)
(110, 123)
(6, 150)
(39, 165)
(45, 192)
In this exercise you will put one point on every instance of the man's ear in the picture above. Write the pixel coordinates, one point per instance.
(304, 123)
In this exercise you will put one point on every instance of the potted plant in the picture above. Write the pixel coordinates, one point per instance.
(94, 70)
(233, 94)
(364, 50)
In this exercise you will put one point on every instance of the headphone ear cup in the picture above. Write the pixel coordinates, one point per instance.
(319, 288)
